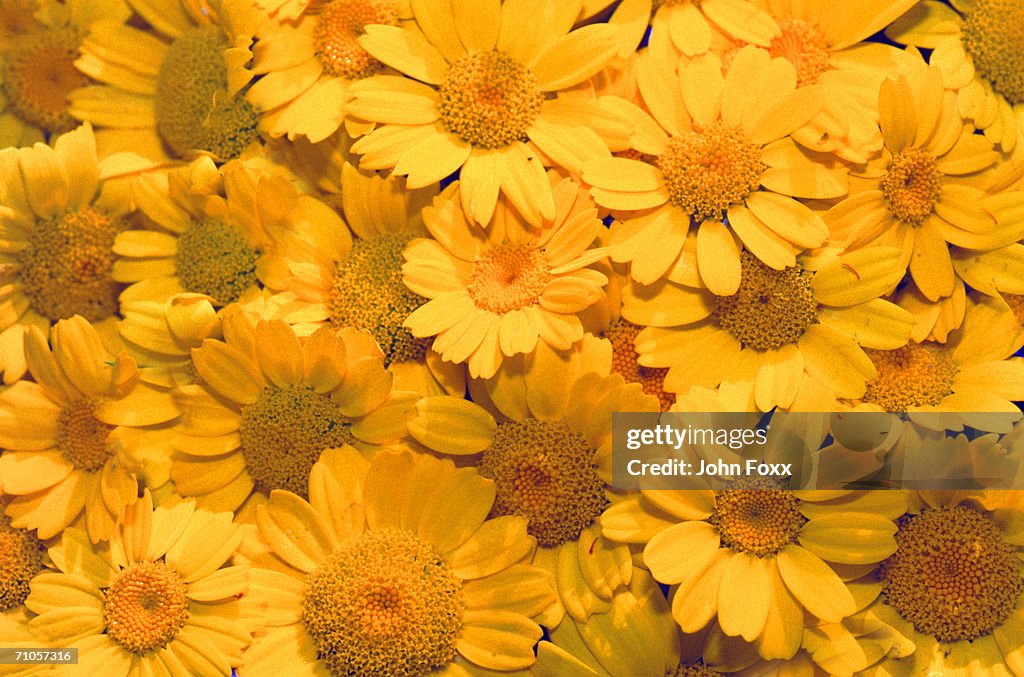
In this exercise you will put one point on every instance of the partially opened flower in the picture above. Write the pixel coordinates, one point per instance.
(392, 567)
(158, 600)
(480, 96)
(80, 433)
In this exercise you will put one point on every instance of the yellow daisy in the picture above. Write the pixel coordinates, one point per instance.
(975, 44)
(791, 338)
(393, 567)
(714, 142)
(40, 42)
(757, 559)
(267, 403)
(157, 601)
(945, 542)
(495, 293)
(689, 27)
(58, 257)
(79, 434)
(164, 93)
(923, 193)
(481, 96)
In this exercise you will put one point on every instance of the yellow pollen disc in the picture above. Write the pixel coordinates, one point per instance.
(283, 433)
(804, 46)
(37, 75)
(340, 25)
(83, 437)
(21, 558)
(368, 293)
(912, 186)
(544, 471)
(622, 334)
(952, 575)
(916, 375)
(509, 277)
(993, 34)
(215, 259)
(759, 522)
(706, 170)
(17, 17)
(695, 669)
(193, 110)
(145, 607)
(772, 308)
(386, 604)
(66, 267)
(489, 99)
(1016, 303)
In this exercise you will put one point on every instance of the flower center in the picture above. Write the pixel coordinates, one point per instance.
(916, 375)
(340, 25)
(66, 266)
(695, 669)
(804, 46)
(193, 110)
(368, 293)
(993, 34)
(706, 170)
(912, 186)
(39, 73)
(1016, 303)
(145, 607)
(17, 17)
(83, 437)
(215, 259)
(772, 308)
(386, 604)
(489, 99)
(952, 575)
(759, 522)
(544, 471)
(283, 433)
(509, 277)
(622, 335)
(21, 558)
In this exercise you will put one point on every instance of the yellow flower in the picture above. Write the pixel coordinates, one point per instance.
(689, 28)
(392, 567)
(269, 402)
(493, 294)
(476, 99)
(157, 601)
(715, 142)
(926, 191)
(59, 262)
(163, 93)
(79, 434)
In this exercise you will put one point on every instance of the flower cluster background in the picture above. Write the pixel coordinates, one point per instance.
(314, 314)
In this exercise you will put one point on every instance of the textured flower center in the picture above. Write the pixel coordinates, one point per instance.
(283, 433)
(993, 35)
(66, 266)
(772, 308)
(17, 17)
(489, 99)
(368, 293)
(759, 522)
(952, 575)
(215, 259)
(804, 46)
(622, 335)
(916, 375)
(193, 109)
(21, 558)
(509, 277)
(544, 471)
(335, 38)
(1016, 303)
(83, 437)
(39, 73)
(706, 170)
(912, 185)
(387, 604)
(145, 607)
(695, 669)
